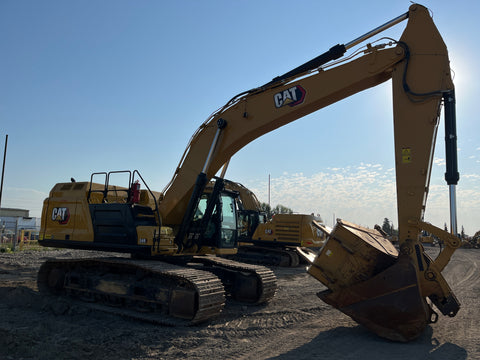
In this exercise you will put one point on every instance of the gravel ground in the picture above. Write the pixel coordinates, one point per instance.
(294, 325)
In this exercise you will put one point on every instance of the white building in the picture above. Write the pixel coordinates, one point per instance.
(12, 220)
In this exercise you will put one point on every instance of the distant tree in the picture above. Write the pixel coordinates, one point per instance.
(394, 231)
(445, 227)
(279, 209)
(462, 234)
(386, 227)
(266, 209)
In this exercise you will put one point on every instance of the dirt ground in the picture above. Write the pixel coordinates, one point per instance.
(294, 325)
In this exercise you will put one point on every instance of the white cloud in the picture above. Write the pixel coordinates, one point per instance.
(366, 195)
(439, 161)
(363, 194)
(471, 176)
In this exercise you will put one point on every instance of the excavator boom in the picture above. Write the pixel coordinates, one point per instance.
(260, 111)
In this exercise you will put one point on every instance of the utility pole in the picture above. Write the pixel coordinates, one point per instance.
(3, 169)
(268, 189)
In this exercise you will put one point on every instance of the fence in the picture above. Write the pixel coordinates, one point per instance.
(14, 235)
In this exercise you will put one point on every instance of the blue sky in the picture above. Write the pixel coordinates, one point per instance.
(90, 86)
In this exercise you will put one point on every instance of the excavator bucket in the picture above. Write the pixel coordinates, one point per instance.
(368, 281)
(389, 304)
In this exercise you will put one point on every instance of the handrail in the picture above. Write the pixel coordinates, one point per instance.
(131, 177)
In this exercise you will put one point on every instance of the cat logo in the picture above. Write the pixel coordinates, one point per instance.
(291, 97)
(61, 214)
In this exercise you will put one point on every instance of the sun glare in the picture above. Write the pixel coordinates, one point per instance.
(462, 71)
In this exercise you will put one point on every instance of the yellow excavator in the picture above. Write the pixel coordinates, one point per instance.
(393, 293)
(184, 285)
(272, 242)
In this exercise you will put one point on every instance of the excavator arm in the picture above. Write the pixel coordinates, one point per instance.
(418, 65)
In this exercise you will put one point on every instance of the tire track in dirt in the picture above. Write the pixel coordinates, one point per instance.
(295, 324)
(281, 331)
(464, 273)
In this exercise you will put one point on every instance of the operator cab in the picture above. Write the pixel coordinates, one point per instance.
(248, 222)
(221, 230)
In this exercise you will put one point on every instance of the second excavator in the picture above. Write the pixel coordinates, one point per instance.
(272, 241)
(393, 293)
